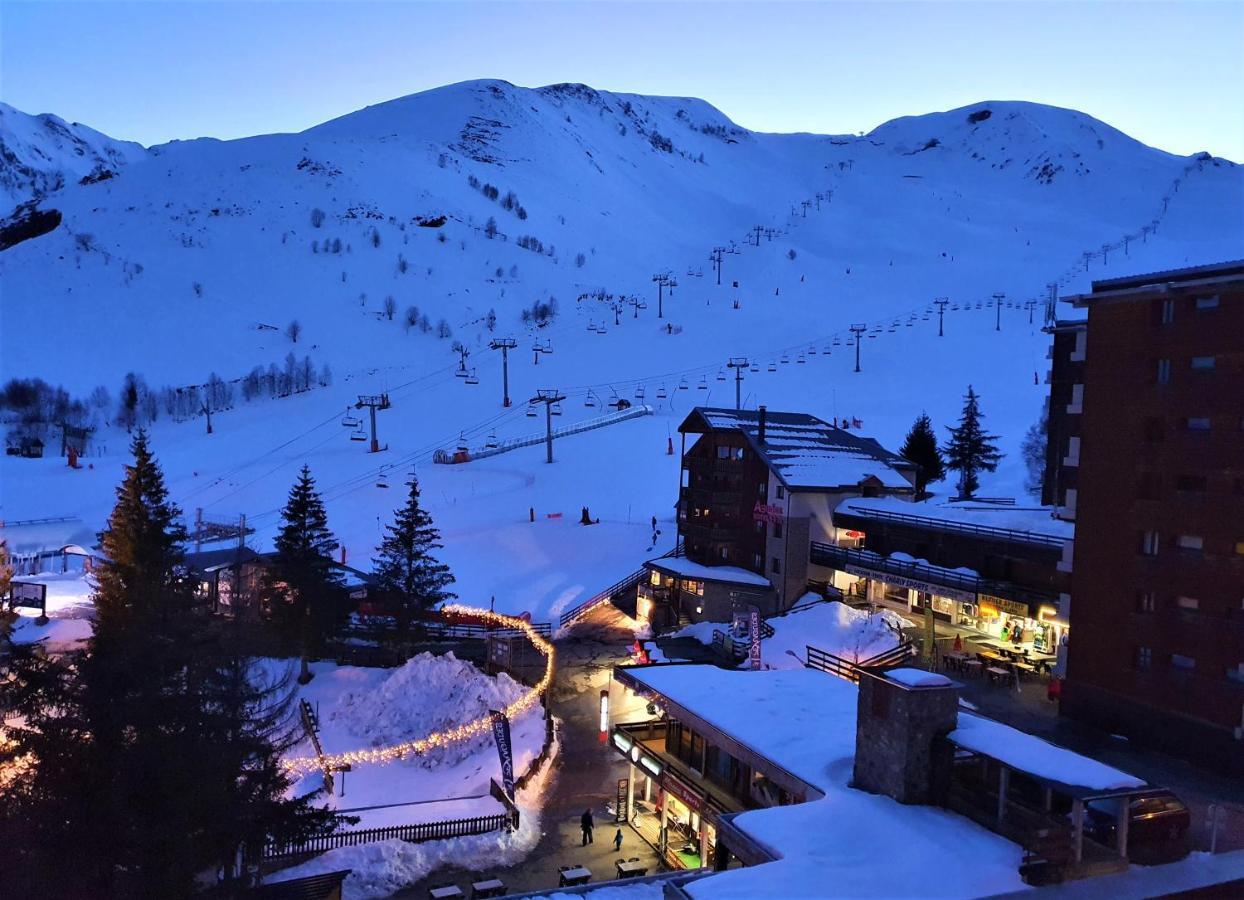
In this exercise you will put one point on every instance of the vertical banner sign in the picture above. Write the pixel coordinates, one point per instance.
(501, 732)
(624, 796)
(755, 630)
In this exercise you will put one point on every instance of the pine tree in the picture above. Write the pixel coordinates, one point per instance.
(140, 575)
(920, 447)
(155, 752)
(971, 449)
(406, 568)
(1033, 450)
(303, 587)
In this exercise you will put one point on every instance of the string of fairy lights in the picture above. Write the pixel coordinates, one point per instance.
(303, 765)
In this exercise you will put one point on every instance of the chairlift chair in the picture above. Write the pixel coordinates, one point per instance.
(382, 481)
(812, 350)
(784, 360)
(703, 385)
(682, 385)
(772, 366)
(661, 395)
(461, 371)
(548, 346)
(721, 375)
(471, 378)
(358, 434)
(491, 443)
(614, 401)
(350, 421)
(462, 442)
(801, 359)
(639, 392)
(531, 410)
(591, 400)
(557, 409)
(601, 329)
(591, 324)
(836, 342)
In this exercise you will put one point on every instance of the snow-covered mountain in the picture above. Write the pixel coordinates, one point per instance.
(481, 203)
(41, 154)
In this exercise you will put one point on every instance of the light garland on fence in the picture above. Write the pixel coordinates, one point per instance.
(456, 735)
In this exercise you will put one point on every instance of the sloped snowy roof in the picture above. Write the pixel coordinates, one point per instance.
(805, 452)
(680, 565)
(29, 537)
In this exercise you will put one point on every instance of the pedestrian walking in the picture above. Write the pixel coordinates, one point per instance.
(586, 823)
(617, 841)
(958, 643)
(654, 524)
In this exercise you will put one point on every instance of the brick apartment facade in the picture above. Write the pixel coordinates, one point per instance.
(1157, 583)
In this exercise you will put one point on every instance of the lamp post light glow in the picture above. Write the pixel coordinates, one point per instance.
(604, 715)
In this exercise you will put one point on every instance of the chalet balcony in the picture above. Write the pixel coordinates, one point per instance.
(716, 532)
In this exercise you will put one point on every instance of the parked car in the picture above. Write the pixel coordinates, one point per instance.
(1157, 831)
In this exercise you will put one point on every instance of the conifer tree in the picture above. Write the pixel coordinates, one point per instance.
(303, 587)
(406, 567)
(920, 447)
(971, 449)
(155, 752)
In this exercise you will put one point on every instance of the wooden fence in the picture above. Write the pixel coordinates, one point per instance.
(414, 834)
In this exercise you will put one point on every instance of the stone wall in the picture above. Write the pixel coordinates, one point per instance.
(896, 728)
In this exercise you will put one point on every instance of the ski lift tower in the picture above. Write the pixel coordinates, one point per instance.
(548, 398)
(941, 303)
(738, 363)
(663, 280)
(858, 331)
(505, 345)
(373, 402)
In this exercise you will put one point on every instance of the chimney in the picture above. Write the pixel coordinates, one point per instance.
(760, 431)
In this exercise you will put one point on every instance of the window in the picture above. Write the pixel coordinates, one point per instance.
(781, 492)
(1077, 399)
(1144, 602)
(1185, 663)
(762, 490)
(1073, 452)
(777, 566)
(1149, 543)
(1239, 547)
(1203, 303)
(760, 527)
(725, 553)
(723, 452)
(1197, 423)
(1193, 484)
(777, 530)
(1144, 658)
(1190, 542)
(1202, 364)
(1188, 603)
(757, 562)
(1168, 311)
(1164, 371)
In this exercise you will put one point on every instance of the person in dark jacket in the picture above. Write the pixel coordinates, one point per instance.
(586, 823)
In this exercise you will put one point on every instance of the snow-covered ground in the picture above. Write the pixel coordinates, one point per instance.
(201, 253)
(371, 708)
(853, 634)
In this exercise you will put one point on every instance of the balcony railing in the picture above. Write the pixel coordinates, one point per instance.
(989, 531)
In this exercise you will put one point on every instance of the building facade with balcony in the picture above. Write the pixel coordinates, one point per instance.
(1158, 576)
(1064, 407)
(756, 489)
(998, 569)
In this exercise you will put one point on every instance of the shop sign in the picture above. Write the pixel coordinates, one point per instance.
(763, 512)
(683, 792)
(915, 584)
(991, 606)
(624, 796)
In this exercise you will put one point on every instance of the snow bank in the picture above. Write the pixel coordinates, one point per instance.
(1029, 753)
(648, 890)
(680, 565)
(917, 678)
(429, 693)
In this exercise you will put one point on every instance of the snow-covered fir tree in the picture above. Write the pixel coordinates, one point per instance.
(971, 450)
(406, 567)
(920, 447)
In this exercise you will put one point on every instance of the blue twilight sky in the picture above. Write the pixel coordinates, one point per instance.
(1168, 73)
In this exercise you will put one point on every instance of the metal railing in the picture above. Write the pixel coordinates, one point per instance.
(1010, 534)
(630, 581)
(413, 834)
(836, 557)
(845, 668)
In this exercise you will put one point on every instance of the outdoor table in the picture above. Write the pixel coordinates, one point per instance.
(956, 658)
(576, 875)
(1025, 667)
(632, 869)
(490, 887)
(997, 673)
(973, 666)
(445, 892)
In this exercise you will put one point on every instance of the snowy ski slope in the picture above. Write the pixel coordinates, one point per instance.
(922, 207)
